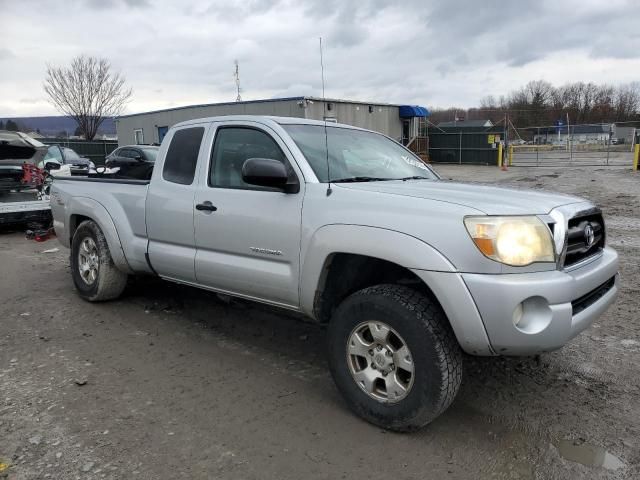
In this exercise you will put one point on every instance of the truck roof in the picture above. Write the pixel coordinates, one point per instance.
(265, 119)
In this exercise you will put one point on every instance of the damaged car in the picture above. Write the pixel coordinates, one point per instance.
(23, 184)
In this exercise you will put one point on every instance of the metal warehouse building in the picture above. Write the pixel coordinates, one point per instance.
(404, 123)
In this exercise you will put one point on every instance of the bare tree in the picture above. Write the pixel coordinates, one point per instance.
(88, 91)
(627, 100)
(488, 103)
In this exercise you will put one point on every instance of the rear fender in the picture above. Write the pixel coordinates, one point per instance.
(87, 207)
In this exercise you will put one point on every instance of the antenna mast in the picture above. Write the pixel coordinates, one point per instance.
(324, 114)
(236, 76)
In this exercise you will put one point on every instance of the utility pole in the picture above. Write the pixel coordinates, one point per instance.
(236, 76)
(569, 147)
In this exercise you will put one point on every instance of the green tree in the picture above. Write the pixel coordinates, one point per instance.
(11, 126)
(1, 125)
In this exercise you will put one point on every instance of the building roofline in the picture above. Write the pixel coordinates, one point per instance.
(267, 100)
(357, 102)
(218, 104)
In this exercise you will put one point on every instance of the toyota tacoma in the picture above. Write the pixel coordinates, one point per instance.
(352, 229)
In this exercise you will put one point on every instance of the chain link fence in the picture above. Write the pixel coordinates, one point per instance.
(573, 145)
(465, 145)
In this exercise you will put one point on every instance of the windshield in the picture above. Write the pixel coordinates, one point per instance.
(71, 155)
(150, 153)
(53, 153)
(356, 155)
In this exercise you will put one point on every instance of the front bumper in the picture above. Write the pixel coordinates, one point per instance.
(529, 313)
(79, 170)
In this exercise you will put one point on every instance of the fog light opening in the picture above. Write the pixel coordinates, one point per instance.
(517, 315)
(532, 315)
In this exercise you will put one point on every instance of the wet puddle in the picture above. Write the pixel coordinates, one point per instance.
(590, 455)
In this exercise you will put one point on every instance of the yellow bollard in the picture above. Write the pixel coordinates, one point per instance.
(499, 154)
(636, 155)
(510, 155)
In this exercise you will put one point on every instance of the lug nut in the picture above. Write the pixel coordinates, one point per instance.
(370, 352)
(373, 365)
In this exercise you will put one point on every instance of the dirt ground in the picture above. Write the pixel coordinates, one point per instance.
(172, 382)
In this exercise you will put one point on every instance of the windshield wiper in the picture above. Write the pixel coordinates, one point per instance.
(415, 177)
(361, 179)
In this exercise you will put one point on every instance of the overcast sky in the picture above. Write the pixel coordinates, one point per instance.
(431, 53)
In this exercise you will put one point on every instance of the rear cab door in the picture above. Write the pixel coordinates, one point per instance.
(248, 243)
(170, 202)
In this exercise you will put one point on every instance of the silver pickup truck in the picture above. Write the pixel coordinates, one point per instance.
(350, 228)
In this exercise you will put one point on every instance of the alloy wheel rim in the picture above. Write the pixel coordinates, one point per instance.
(380, 361)
(88, 261)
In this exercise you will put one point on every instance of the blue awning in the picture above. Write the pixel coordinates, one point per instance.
(409, 111)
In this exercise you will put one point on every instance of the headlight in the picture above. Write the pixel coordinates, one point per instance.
(516, 241)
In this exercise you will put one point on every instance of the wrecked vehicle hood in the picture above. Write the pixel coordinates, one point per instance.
(17, 148)
(486, 198)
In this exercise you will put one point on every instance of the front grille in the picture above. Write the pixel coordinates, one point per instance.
(592, 297)
(578, 247)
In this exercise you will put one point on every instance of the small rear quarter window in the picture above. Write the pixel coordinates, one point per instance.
(182, 156)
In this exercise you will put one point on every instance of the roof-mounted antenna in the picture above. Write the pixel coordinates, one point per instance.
(324, 115)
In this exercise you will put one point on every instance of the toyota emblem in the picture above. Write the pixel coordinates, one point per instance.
(589, 235)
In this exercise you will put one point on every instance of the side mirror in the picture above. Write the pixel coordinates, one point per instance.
(48, 166)
(138, 158)
(267, 172)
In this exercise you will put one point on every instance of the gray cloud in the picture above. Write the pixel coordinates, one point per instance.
(101, 4)
(138, 3)
(433, 53)
(5, 53)
(109, 4)
(226, 10)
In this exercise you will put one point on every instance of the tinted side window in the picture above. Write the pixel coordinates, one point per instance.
(233, 146)
(182, 156)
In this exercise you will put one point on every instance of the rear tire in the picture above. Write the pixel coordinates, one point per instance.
(95, 276)
(416, 371)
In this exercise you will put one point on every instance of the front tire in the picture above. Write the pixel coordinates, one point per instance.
(394, 357)
(95, 276)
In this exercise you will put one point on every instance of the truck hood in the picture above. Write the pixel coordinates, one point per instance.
(488, 199)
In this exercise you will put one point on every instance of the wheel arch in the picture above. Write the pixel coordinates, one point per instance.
(89, 209)
(341, 259)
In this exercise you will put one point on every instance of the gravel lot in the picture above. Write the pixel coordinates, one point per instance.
(172, 382)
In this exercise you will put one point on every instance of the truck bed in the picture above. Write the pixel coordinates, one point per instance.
(119, 204)
(93, 178)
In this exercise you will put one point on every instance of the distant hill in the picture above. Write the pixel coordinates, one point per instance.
(51, 126)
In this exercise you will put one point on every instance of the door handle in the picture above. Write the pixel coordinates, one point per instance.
(206, 207)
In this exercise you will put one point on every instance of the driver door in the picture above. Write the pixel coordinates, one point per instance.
(247, 237)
